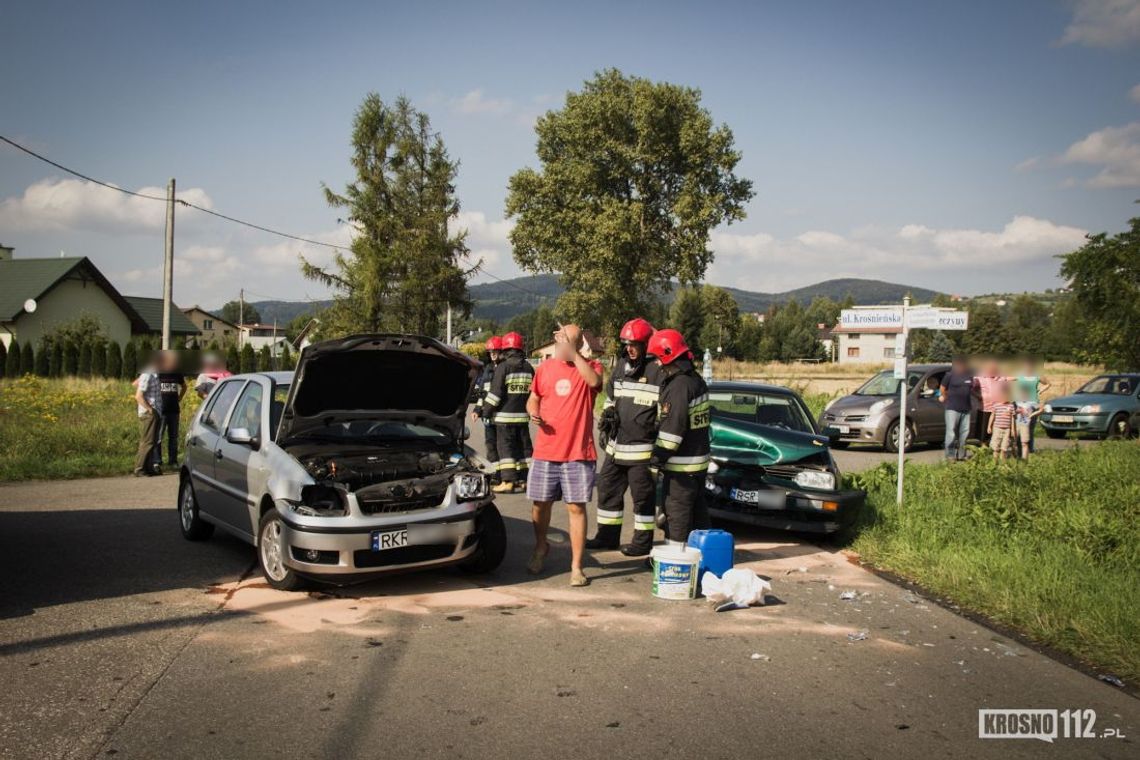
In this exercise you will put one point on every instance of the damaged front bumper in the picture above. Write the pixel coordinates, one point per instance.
(757, 501)
(355, 545)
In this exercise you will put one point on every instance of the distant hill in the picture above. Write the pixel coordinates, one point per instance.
(504, 299)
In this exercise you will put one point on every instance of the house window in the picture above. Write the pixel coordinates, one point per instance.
(853, 336)
(207, 324)
(853, 351)
(889, 352)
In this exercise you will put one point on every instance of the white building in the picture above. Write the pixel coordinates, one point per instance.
(865, 345)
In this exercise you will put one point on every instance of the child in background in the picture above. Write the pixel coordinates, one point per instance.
(1026, 411)
(1000, 426)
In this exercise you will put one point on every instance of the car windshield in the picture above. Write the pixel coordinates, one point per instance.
(373, 431)
(885, 384)
(1117, 385)
(767, 409)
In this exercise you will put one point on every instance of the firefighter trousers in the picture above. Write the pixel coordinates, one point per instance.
(492, 448)
(684, 504)
(510, 439)
(614, 478)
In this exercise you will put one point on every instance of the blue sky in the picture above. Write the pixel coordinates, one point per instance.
(957, 146)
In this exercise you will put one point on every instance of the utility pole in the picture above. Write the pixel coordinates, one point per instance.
(903, 392)
(168, 267)
(241, 318)
(449, 324)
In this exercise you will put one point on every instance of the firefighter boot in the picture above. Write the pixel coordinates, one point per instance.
(641, 544)
(608, 537)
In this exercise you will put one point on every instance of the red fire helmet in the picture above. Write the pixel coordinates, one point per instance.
(512, 340)
(667, 345)
(636, 331)
(494, 343)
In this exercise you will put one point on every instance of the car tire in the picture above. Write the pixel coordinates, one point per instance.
(492, 547)
(1118, 427)
(194, 528)
(270, 557)
(890, 440)
(1056, 435)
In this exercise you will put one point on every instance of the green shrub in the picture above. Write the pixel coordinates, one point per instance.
(114, 362)
(43, 360)
(55, 366)
(70, 359)
(248, 360)
(130, 361)
(27, 359)
(12, 360)
(84, 368)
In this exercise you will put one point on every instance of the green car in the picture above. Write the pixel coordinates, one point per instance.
(770, 465)
(1108, 405)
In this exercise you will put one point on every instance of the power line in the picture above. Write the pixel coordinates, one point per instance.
(227, 218)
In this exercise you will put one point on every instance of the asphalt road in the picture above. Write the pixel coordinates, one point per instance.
(862, 457)
(118, 638)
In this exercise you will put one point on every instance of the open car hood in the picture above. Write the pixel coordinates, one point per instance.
(380, 378)
(752, 443)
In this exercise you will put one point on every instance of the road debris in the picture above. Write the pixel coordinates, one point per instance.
(1112, 680)
(758, 656)
(857, 636)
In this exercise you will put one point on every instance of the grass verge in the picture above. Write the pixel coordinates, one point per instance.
(70, 428)
(1050, 547)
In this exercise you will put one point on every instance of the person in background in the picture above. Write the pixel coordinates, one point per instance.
(148, 398)
(987, 383)
(172, 384)
(561, 405)
(506, 405)
(1000, 421)
(1026, 411)
(1030, 385)
(482, 389)
(957, 393)
(213, 370)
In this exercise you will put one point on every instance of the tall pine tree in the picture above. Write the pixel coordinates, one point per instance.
(404, 268)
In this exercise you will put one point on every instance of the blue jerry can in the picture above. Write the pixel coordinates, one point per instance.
(716, 550)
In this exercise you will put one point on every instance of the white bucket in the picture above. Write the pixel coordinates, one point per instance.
(675, 572)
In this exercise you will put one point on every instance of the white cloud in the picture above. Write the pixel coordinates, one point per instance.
(943, 259)
(74, 204)
(1134, 93)
(1104, 24)
(1115, 149)
(476, 101)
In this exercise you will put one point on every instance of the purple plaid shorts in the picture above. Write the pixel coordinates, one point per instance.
(572, 482)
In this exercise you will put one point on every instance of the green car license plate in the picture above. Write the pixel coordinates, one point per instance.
(763, 498)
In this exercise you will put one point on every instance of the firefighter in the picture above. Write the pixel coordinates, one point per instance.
(494, 348)
(629, 422)
(505, 406)
(681, 449)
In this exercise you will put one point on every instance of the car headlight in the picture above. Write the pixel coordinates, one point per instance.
(319, 501)
(817, 479)
(1089, 409)
(713, 466)
(879, 406)
(470, 486)
(1049, 408)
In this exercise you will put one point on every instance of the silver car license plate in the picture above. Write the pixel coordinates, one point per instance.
(1062, 418)
(845, 429)
(389, 539)
(762, 498)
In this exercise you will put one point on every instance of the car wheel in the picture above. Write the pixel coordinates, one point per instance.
(271, 554)
(492, 542)
(1119, 427)
(194, 528)
(891, 439)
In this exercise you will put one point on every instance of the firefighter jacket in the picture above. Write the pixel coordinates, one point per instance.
(682, 443)
(632, 393)
(505, 403)
(483, 386)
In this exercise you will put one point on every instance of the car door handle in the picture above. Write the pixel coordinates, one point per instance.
(218, 454)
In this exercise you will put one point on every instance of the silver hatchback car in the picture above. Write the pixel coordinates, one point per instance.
(351, 466)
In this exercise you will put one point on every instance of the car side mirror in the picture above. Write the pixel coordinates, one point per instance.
(833, 435)
(243, 437)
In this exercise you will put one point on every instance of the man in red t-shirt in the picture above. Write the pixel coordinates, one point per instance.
(561, 404)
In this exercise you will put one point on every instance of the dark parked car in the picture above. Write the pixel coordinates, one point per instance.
(771, 466)
(1108, 405)
(871, 414)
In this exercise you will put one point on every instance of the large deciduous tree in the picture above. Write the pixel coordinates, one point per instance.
(1104, 274)
(634, 175)
(404, 266)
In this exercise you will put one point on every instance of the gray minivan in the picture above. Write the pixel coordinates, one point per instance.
(871, 414)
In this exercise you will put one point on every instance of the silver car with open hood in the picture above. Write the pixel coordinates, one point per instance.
(351, 466)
